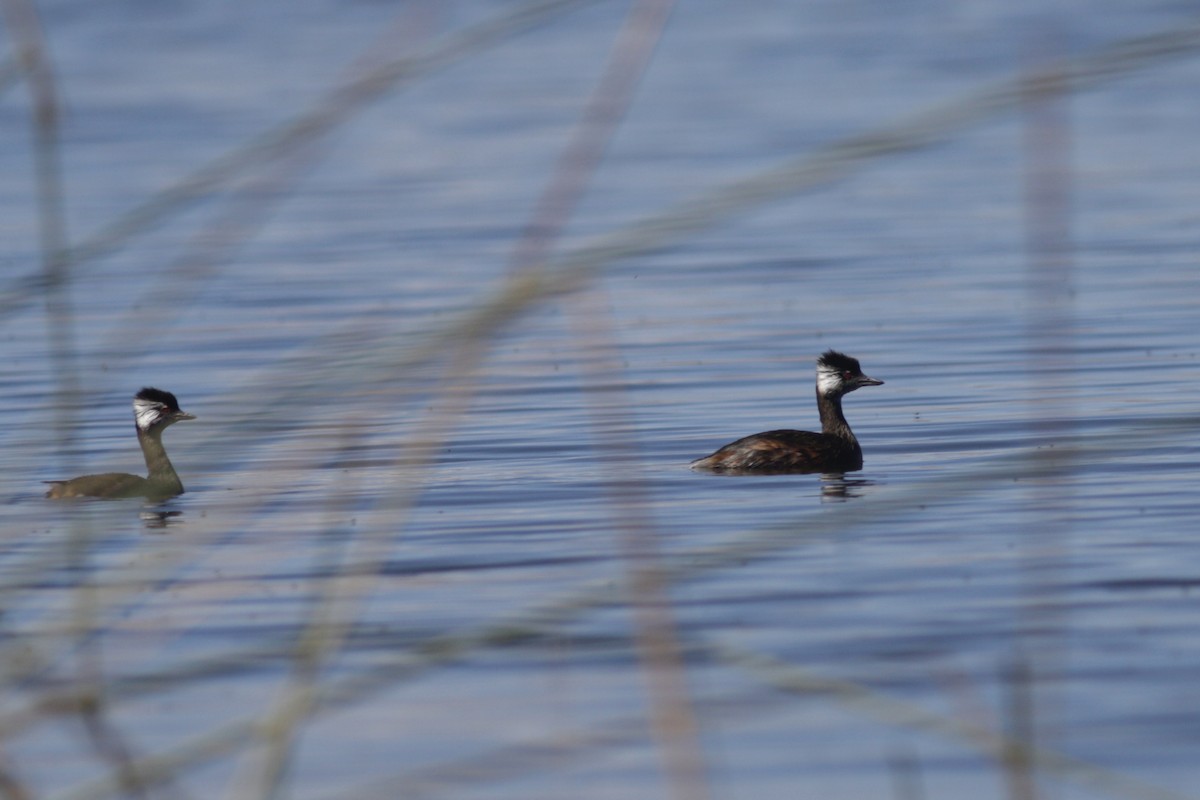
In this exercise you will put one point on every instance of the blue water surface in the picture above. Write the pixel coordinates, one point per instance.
(443, 520)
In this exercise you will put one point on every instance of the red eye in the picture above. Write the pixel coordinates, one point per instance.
(847, 374)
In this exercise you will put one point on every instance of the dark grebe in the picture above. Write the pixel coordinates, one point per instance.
(833, 450)
(153, 412)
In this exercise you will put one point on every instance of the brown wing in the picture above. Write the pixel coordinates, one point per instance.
(784, 451)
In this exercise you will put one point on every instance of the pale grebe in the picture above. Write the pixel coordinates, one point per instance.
(153, 412)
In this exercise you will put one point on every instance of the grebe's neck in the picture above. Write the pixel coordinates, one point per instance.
(161, 472)
(833, 422)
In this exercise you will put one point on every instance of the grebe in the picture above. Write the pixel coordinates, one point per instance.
(153, 412)
(834, 449)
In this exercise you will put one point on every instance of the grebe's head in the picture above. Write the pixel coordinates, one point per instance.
(156, 409)
(838, 373)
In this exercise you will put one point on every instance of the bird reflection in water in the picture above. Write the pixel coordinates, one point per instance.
(836, 487)
(159, 520)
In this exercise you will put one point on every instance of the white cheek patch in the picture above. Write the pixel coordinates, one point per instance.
(146, 413)
(828, 380)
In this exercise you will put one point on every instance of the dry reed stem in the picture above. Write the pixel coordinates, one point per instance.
(569, 273)
(890, 711)
(543, 620)
(338, 106)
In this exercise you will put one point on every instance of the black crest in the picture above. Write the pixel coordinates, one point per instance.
(153, 395)
(839, 362)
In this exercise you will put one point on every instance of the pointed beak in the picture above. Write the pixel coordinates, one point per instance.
(181, 415)
(865, 381)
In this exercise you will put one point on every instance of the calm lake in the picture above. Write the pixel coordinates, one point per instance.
(440, 538)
